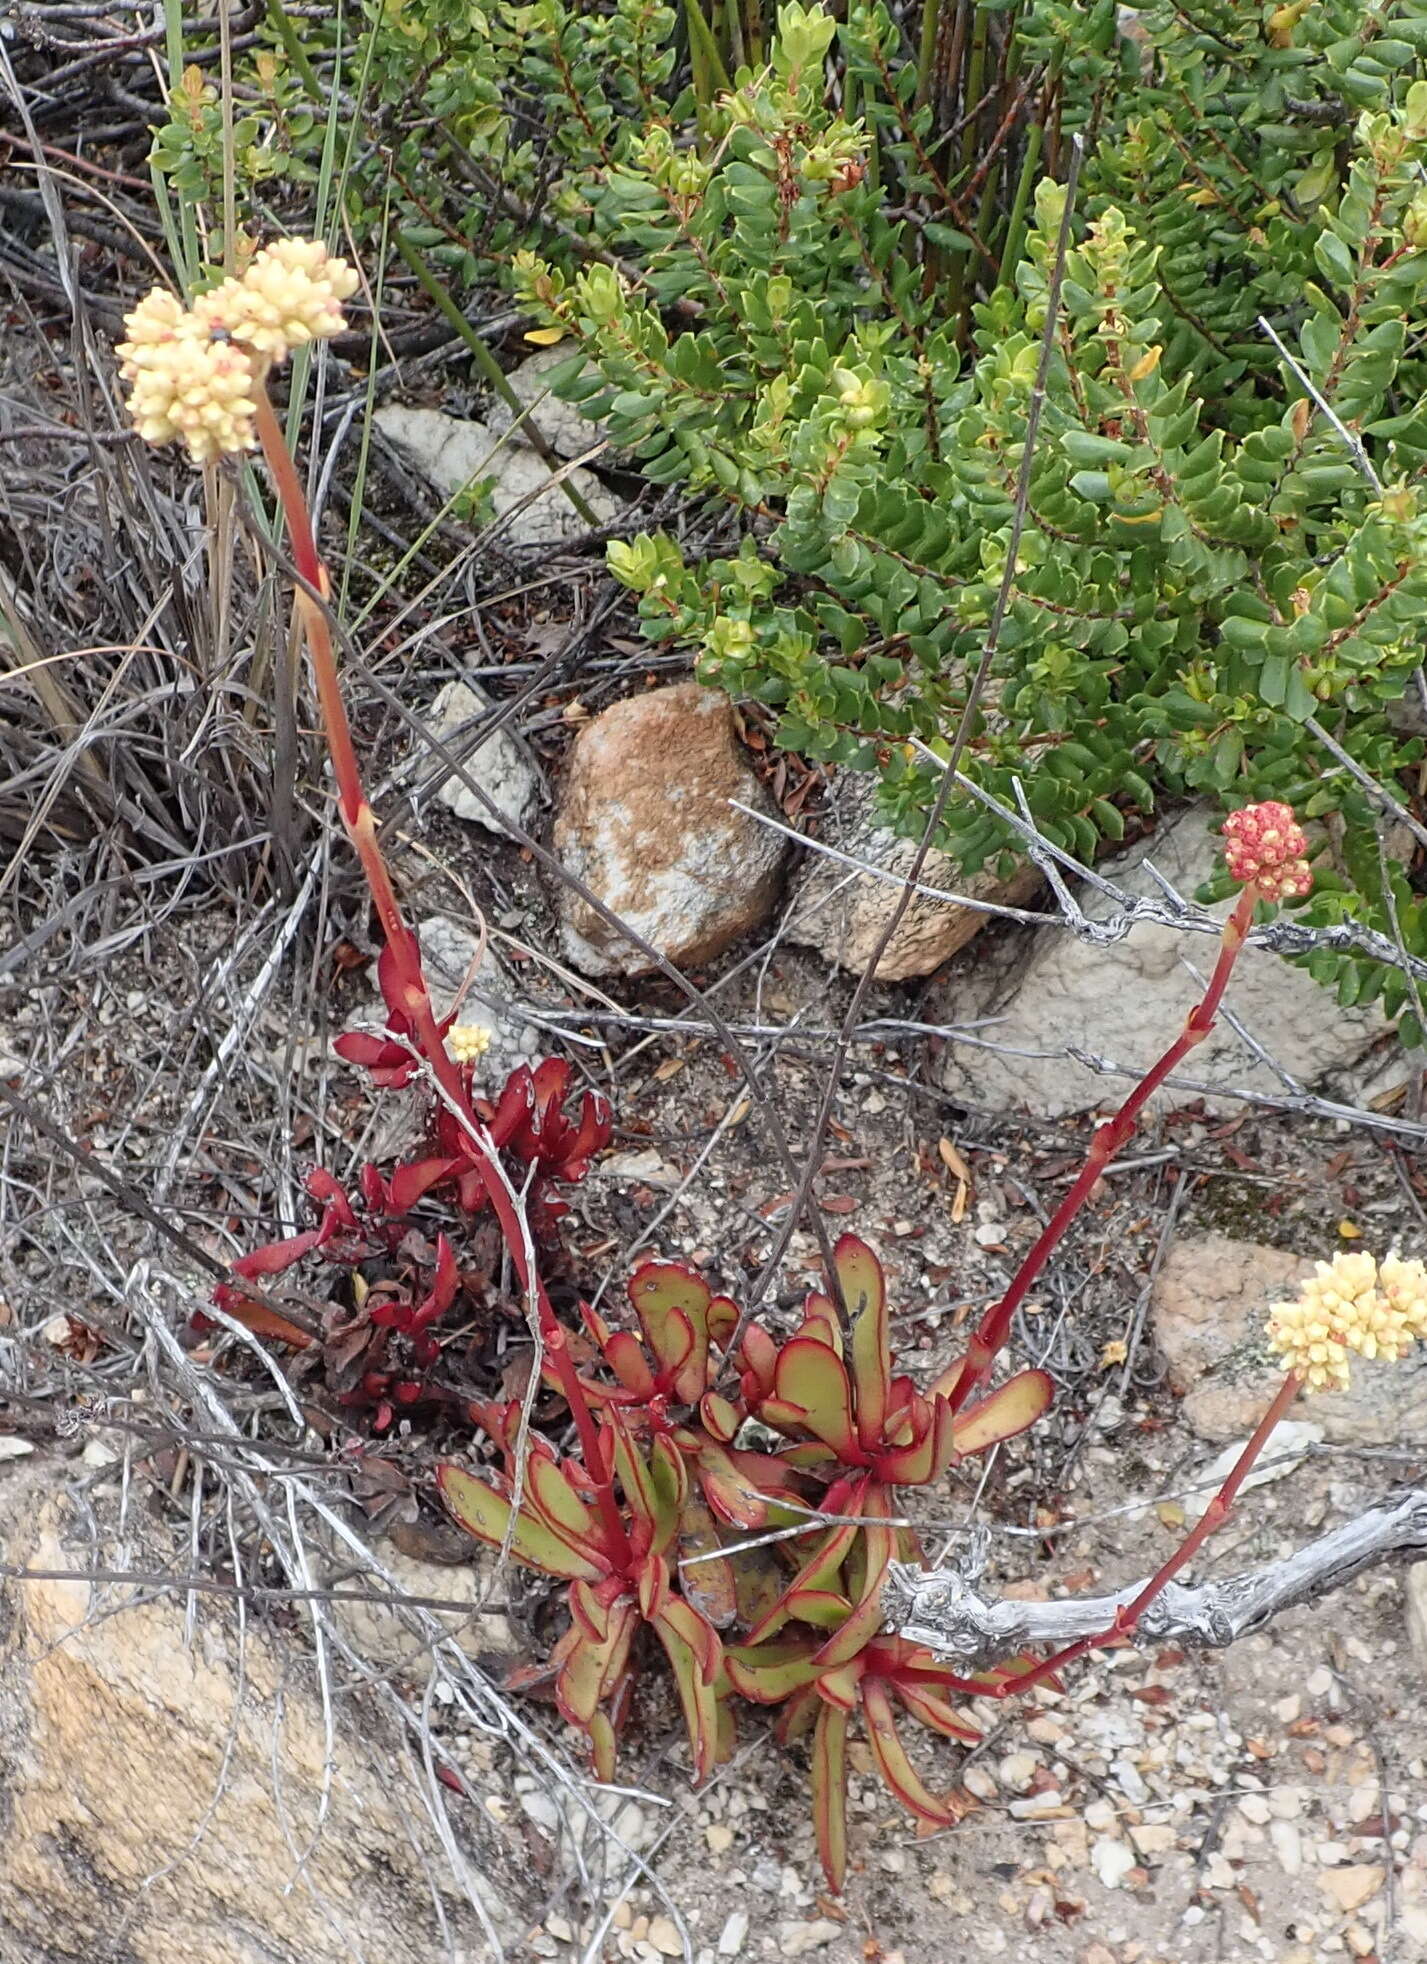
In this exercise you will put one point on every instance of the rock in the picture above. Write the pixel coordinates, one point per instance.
(1208, 1312)
(389, 1638)
(1284, 1454)
(447, 950)
(1126, 1003)
(1349, 1888)
(566, 431)
(664, 1935)
(499, 765)
(797, 1939)
(1416, 1588)
(734, 1933)
(1112, 1861)
(456, 453)
(844, 914)
(645, 821)
(162, 1795)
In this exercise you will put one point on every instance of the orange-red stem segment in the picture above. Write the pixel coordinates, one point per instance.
(995, 1327)
(414, 997)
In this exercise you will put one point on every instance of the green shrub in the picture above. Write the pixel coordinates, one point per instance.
(1209, 560)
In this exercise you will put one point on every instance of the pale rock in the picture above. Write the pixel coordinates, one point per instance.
(395, 1638)
(1112, 1861)
(664, 1936)
(455, 453)
(566, 431)
(799, 1939)
(1126, 1001)
(498, 765)
(1209, 1312)
(718, 1837)
(844, 914)
(1347, 1889)
(1287, 1846)
(1416, 1588)
(448, 948)
(1037, 1807)
(645, 821)
(1017, 1770)
(734, 1933)
(1284, 1454)
(164, 1793)
(1153, 1838)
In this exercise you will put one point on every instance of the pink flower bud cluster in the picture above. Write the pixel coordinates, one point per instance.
(1264, 847)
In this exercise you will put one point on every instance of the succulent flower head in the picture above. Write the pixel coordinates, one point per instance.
(468, 1042)
(290, 294)
(1264, 847)
(1349, 1304)
(183, 384)
(1404, 1284)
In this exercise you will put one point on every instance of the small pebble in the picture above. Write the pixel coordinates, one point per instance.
(664, 1936)
(1112, 1861)
(733, 1934)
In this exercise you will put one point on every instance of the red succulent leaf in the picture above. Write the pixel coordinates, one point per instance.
(820, 1323)
(361, 1048)
(899, 1775)
(276, 1256)
(720, 1418)
(1010, 1408)
(722, 1320)
(812, 1381)
(758, 1359)
(486, 1514)
(937, 1714)
(928, 1457)
(672, 1304)
(768, 1673)
(864, 1295)
(695, 1684)
(257, 1317)
(417, 1177)
(324, 1187)
(625, 1356)
(829, 1789)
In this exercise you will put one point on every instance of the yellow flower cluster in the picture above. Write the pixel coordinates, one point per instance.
(1350, 1304)
(194, 373)
(468, 1042)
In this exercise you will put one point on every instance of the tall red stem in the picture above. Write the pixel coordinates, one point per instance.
(414, 999)
(1213, 1518)
(995, 1327)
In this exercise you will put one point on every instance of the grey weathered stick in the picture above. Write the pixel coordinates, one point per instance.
(945, 1611)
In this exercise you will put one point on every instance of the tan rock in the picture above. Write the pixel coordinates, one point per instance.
(845, 914)
(1208, 1312)
(645, 822)
(160, 1797)
(1349, 1888)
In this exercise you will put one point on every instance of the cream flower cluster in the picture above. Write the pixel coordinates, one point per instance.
(1351, 1304)
(194, 373)
(468, 1042)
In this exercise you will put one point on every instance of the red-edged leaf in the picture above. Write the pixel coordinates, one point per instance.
(711, 1583)
(275, 1256)
(652, 1584)
(559, 1504)
(602, 1747)
(670, 1478)
(825, 1609)
(484, 1513)
(722, 1320)
(1010, 1408)
(417, 1177)
(937, 1714)
(945, 1385)
(797, 1715)
(812, 1380)
(324, 1186)
(820, 1322)
(878, 1548)
(720, 1417)
(900, 1776)
(841, 1687)
(624, 1354)
(696, 1694)
(927, 1458)
(701, 1636)
(829, 1788)
(864, 1295)
(257, 1317)
(590, 1610)
(817, 1574)
(758, 1356)
(731, 1494)
(766, 1674)
(357, 1047)
(672, 1304)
